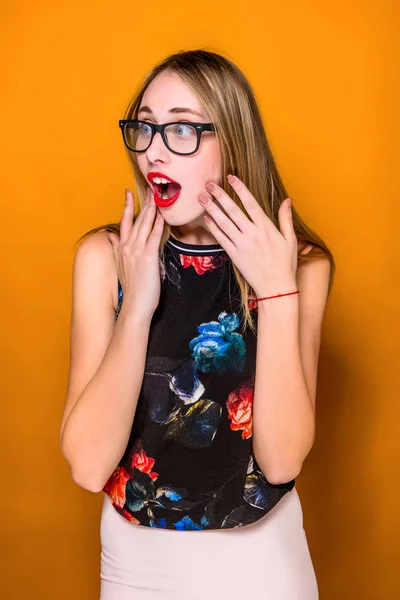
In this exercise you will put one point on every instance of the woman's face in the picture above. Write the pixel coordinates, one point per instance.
(164, 94)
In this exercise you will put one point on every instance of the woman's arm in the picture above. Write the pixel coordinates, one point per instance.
(286, 373)
(106, 367)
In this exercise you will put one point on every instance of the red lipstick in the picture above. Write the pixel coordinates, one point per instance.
(163, 202)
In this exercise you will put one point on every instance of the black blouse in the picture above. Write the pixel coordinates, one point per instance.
(189, 462)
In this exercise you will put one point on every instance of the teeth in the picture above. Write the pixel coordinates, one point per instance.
(160, 180)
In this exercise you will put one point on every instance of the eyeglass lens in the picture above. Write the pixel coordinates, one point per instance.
(181, 137)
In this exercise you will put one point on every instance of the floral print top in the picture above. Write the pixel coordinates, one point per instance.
(188, 464)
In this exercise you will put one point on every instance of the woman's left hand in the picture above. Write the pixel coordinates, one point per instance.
(266, 257)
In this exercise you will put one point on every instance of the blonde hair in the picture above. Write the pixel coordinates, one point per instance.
(228, 97)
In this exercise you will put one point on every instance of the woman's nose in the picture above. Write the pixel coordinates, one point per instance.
(157, 148)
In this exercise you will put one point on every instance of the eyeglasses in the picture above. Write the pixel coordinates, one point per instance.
(181, 137)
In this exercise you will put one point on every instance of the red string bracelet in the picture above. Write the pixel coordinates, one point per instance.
(277, 296)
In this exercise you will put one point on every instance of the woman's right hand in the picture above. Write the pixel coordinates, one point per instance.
(136, 254)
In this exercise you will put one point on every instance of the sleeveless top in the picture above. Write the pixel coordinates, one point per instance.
(188, 464)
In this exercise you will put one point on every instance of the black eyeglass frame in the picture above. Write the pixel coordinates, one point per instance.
(200, 127)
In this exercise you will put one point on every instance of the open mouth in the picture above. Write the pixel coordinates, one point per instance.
(166, 191)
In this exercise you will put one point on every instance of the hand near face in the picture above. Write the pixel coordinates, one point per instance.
(266, 257)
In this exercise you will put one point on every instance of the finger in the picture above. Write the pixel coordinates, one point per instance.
(146, 202)
(231, 209)
(155, 236)
(221, 238)
(223, 221)
(285, 217)
(141, 230)
(137, 221)
(253, 208)
(127, 217)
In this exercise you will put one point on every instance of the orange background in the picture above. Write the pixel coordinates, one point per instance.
(324, 74)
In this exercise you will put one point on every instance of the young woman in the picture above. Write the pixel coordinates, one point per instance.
(194, 347)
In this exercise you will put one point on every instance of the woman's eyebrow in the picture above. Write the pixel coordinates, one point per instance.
(177, 109)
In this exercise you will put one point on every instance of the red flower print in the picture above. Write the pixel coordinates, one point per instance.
(202, 263)
(127, 515)
(240, 409)
(115, 486)
(141, 461)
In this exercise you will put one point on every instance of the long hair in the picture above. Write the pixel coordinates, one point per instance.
(229, 99)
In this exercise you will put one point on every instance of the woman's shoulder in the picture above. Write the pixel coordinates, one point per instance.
(96, 251)
(94, 258)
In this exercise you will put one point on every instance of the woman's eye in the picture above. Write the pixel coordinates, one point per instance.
(145, 129)
(183, 129)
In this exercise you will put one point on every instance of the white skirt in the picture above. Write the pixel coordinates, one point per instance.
(267, 560)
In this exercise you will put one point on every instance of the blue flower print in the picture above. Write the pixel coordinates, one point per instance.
(158, 523)
(187, 524)
(218, 348)
(140, 492)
